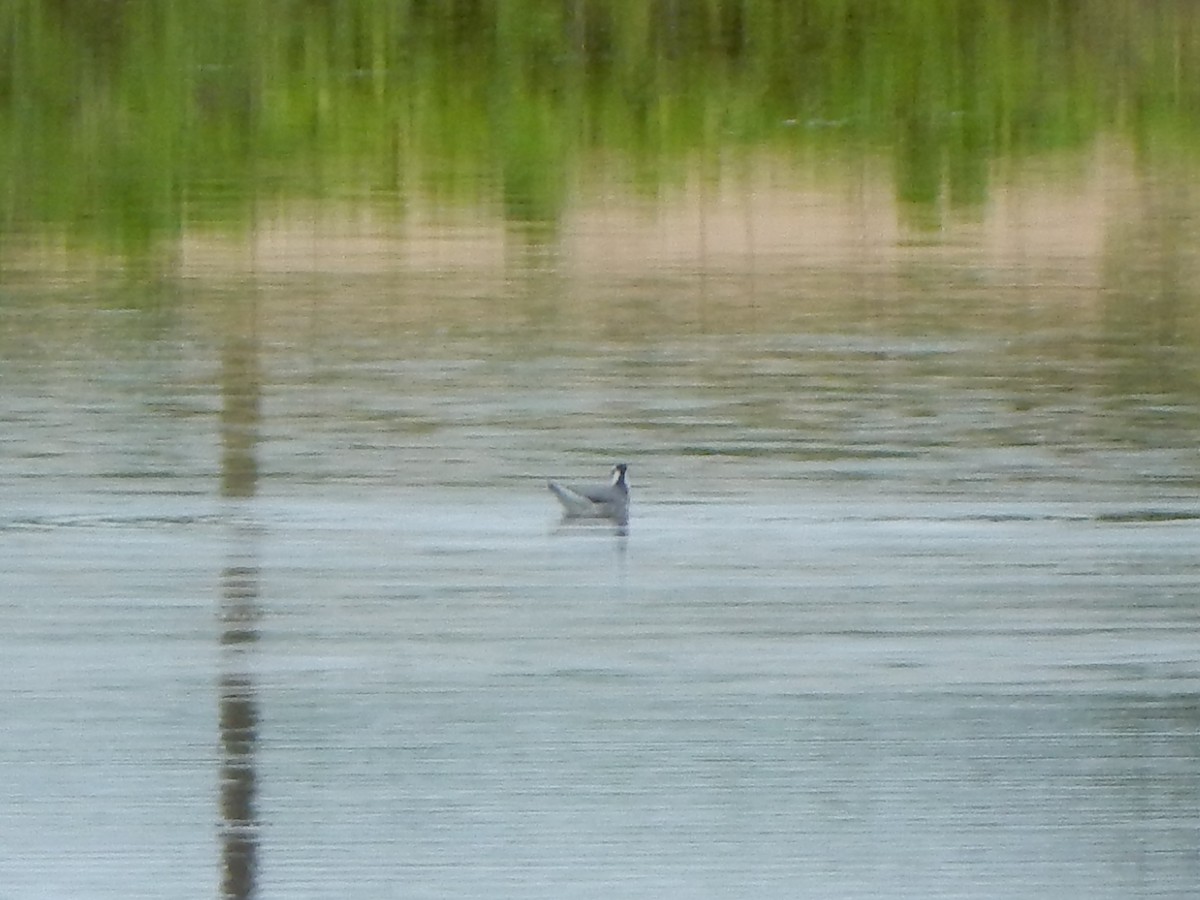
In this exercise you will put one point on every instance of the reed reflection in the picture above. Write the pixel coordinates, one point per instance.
(241, 388)
(238, 714)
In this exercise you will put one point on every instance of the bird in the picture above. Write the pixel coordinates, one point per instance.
(596, 501)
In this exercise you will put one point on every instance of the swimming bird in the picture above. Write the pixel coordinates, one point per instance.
(596, 501)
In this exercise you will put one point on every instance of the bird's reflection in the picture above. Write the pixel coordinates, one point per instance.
(619, 531)
(573, 525)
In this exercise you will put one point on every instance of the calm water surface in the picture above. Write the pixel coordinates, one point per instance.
(907, 606)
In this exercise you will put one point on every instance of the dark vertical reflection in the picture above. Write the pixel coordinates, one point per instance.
(239, 733)
(241, 388)
(240, 392)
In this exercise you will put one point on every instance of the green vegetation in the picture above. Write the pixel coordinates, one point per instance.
(124, 122)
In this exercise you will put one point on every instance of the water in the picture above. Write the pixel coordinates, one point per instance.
(907, 605)
(894, 315)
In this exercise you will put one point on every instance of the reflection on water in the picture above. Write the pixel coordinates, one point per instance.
(241, 404)
(239, 731)
(906, 605)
